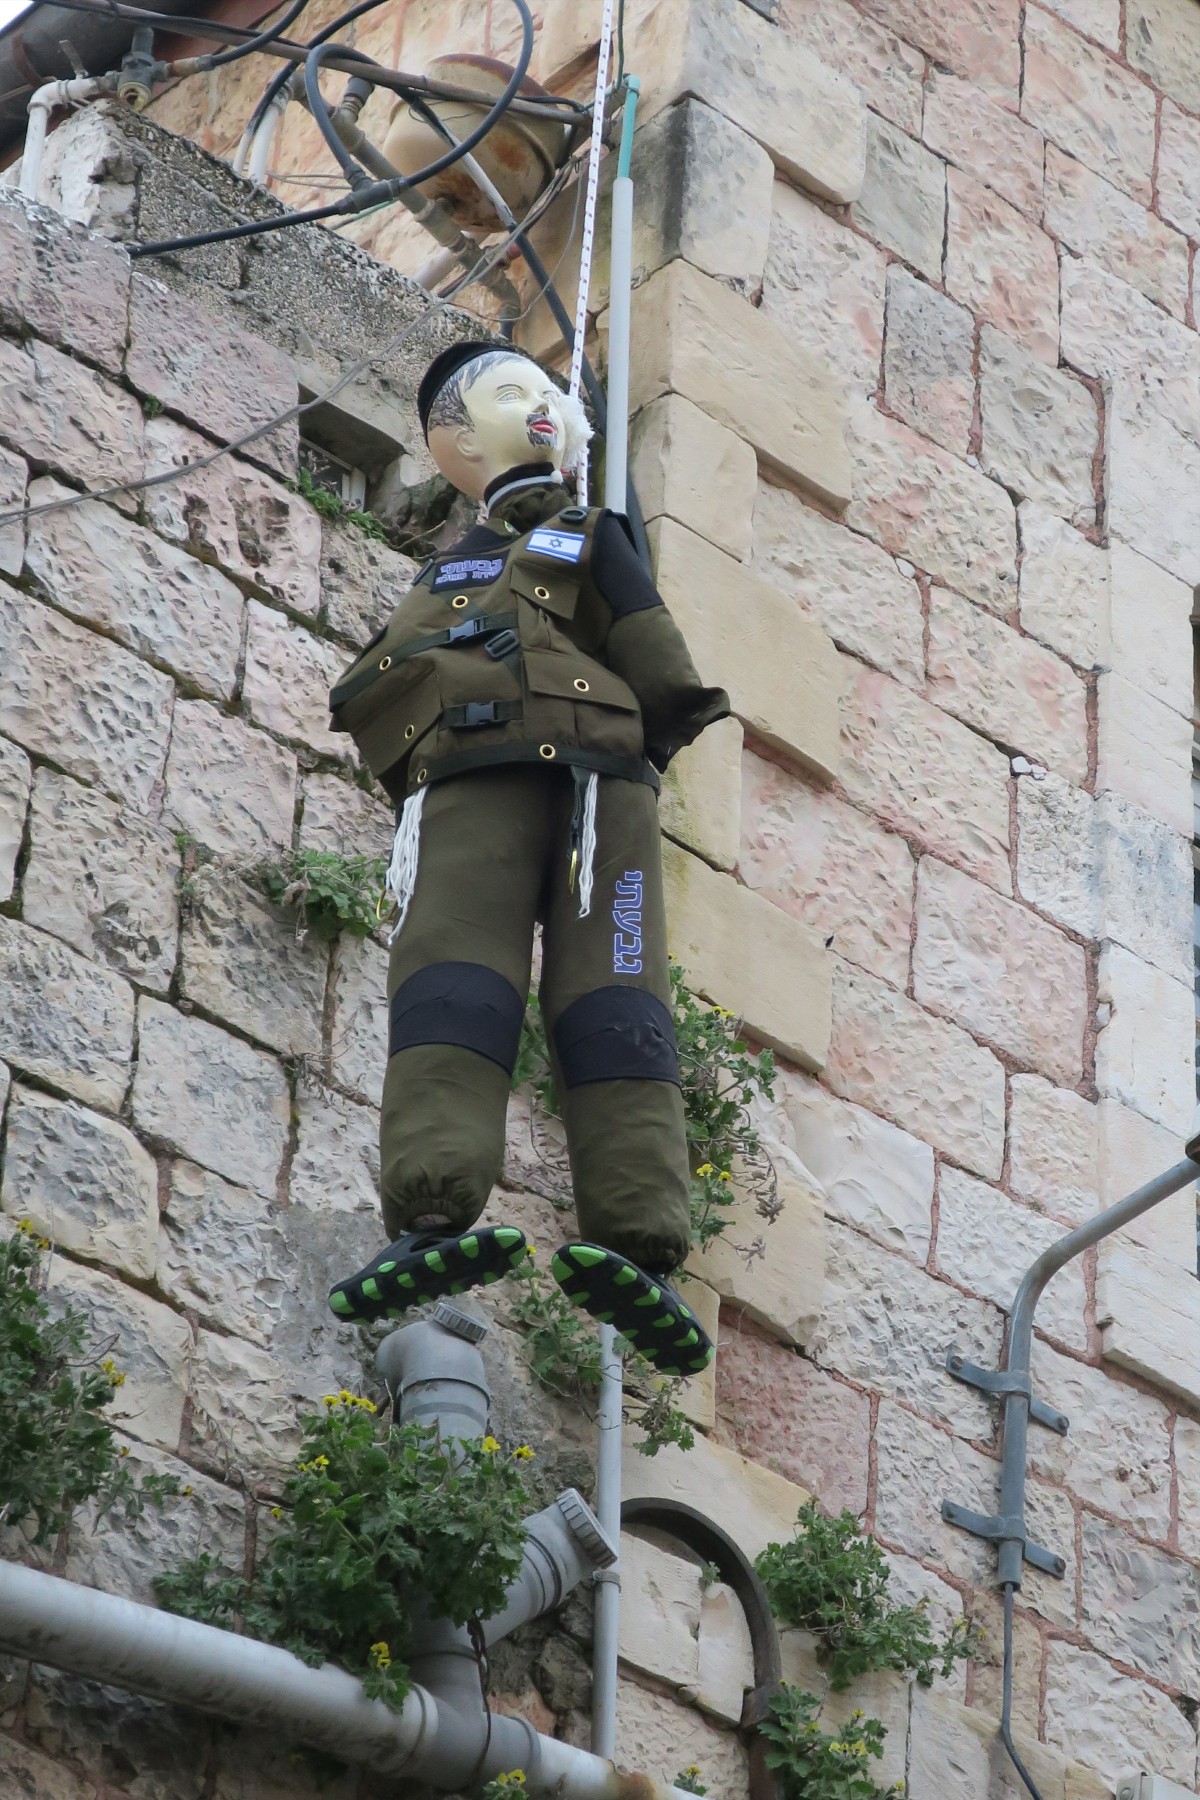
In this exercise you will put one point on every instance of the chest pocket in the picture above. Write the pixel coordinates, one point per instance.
(579, 702)
(553, 589)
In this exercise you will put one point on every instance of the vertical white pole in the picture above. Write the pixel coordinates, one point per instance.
(616, 444)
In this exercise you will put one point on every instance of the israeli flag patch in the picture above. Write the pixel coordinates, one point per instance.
(566, 546)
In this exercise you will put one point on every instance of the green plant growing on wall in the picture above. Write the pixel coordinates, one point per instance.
(332, 506)
(510, 1786)
(57, 1451)
(689, 1780)
(329, 891)
(812, 1764)
(376, 1517)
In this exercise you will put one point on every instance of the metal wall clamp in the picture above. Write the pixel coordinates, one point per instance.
(1000, 1382)
(997, 1530)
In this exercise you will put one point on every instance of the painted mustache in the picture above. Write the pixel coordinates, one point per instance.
(541, 429)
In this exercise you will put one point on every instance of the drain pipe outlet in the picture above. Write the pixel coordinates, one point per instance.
(564, 1545)
(435, 1375)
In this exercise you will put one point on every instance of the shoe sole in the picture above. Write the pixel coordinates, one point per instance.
(392, 1284)
(616, 1292)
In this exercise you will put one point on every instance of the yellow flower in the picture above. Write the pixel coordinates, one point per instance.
(43, 1243)
(186, 1490)
(26, 1227)
(523, 1453)
(381, 1656)
(706, 1169)
(124, 1449)
(490, 1446)
(277, 1512)
(726, 1175)
(693, 1769)
(329, 1399)
(116, 1377)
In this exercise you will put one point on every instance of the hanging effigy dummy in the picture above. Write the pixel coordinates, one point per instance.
(517, 708)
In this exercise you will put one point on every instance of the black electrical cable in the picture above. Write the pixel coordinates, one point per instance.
(353, 171)
(284, 75)
(220, 59)
(349, 203)
(1007, 1700)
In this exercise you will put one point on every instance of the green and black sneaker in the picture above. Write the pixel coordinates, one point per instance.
(427, 1265)
(646, 1311)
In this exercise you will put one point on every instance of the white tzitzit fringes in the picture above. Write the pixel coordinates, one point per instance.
(587, 846)
(402, 870)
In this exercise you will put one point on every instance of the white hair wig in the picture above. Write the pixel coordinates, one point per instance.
(577, 431)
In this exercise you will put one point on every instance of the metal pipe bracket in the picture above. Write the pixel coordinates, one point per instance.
(999, 1383)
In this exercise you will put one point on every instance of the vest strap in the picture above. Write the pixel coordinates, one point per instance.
(466, 631)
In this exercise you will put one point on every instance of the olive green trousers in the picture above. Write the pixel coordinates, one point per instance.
(494, 859)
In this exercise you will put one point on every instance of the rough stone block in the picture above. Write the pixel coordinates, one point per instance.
(1178, 150)
(698, 1399)
(1148, 1310)
(853, 588)
(927, 776)
(14, 475)
(699, 473)
(781, 1290)
(932, 508)
(988, 141)
(212, 373)
(875, 1177)
(955, 1751)
(916, 1461)
(1053, 1149)
(151, 1344)
(1187, 1471)
(221, 1253)
(1002, 266)
(1117, 1457)
(660, 1620)
(929, 364)
(1163, 41)
(232, 514)
(985, 1243)
(61, 414)
(289, 673)
(887, 71)
(243, 963)
(16, 777)
(1089, 105)
(776, 396)
(783, 999)
(64, 1020)
(1111, 1723)
(210, 1096)
(889, 1326)
(339, 816)
(753, 1504)
(360, 1017)
(1064, 586)
(1144, 752)
(36, 1775)
(1132, 1151)
(71, 696)
(336, 1163)
(246, 1407)
(1151, 628)
(1144, 1051)
(231, 787)
(823, 285)
(83, 1180)
(1040, 429)
(902, 202)
(1096, 219)
(816, 857)
(1140, 1605)
(976, 40)
(783, 675)
(362, 581)
(922, 1073)
(670, 1736)
(1150, 361)
(1153, 470)
(1098, 19)
(64, 284)
(700, 805)
(103, 879)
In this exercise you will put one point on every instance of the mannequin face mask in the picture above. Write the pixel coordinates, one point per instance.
(495, 414)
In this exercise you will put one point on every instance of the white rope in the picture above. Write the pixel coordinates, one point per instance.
(402, 870)
(589, 228)
(587, 846)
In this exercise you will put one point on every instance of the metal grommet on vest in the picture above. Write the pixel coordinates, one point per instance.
(461, 600)
(385, 662)
(547, 752)
(581, 686)
(541, 593)
(409, 731)
(422, 776)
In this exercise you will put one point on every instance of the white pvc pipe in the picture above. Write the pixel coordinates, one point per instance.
(263, 141)
(620, 285)
(608, 1581)
(42, 102)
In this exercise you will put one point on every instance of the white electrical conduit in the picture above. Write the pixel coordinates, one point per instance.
(42, 103)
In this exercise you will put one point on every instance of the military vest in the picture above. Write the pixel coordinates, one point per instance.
(495, 658)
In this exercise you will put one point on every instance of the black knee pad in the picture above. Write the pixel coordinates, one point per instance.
(461, 1003)
(616, 1034)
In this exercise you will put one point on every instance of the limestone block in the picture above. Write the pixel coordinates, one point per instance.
(698, 472)
(84, 1181)
(1141, 1606)
(985, 1243)
(701, 801)
(15, 780)
(852, 587)
(698, 1398)
(230, 787)
(211, 372)
(66, 417)
(923, 1073)
(783, 675)
(336, 1163)
(956, 1751)
(289, 673)
(780, 1410)
(1187, 1474)
(1112, 1723)
(987, 1666)
(670, 1737)
(221, 1253)
(1002, 266)
(1040, 428)
(244, 964)
(889, 1326)
(1179, 147)
(1064, 586)
(976, 40)
(14, 474)
(210, 1096)
(1164, 42)
(360, 1017)
(1090, 106)
(65, 285)
(232, 514)
(781, 1289)
(338, 816)
(1098, 19)
(754, 1505)
(1110, 330)
(1144, 1052)
(246, 1408)
(763, 387)
(919, 1465)
(929, 365)
(1053, 1139)
(150, 1343)
(881, 1695)
(78, 700)
(1144, 750)
(934, 509)
(660, 1617)
(1151, 628)
(816, 857)
(927, 776)
(103, 879)
(823, 285)
(902, 202)
(887, 71)
(1006, 686)
(1149, 1312)
(1132, 1151)
(1153, 473)
(1096, 219)
(362, 581)
(64, 1020)
(1117, 1457)
(810, 120)
(29, 1772)
(986, 140)
(726, 1654)
(783, 998)
(875, 1177)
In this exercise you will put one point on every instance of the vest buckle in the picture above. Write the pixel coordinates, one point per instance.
(502, 644)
